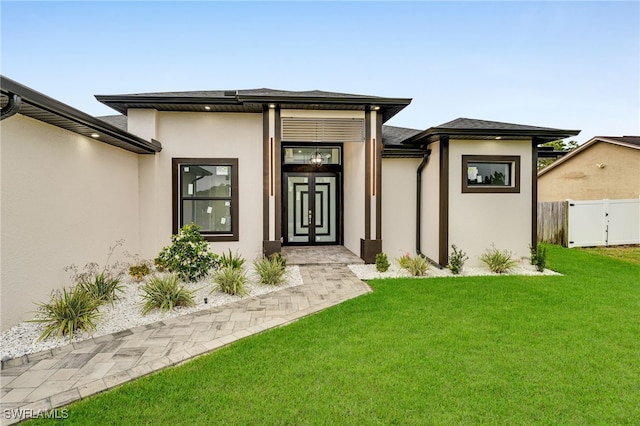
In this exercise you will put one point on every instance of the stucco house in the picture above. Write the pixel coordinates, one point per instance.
(257, 170)
(605, 167)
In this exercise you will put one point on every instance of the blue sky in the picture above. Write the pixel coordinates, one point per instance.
(572, 65)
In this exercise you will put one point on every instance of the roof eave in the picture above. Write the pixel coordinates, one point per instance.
(114, 135)
(542, 135)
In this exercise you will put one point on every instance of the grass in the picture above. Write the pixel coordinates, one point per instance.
(467, 350)
(628, 253)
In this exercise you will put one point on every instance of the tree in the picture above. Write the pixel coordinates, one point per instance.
(557, 145)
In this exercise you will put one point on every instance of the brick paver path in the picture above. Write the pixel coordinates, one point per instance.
(55, 378)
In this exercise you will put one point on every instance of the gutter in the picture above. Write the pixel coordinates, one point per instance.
(13, 107)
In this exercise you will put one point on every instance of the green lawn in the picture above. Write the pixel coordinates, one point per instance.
(477, 350)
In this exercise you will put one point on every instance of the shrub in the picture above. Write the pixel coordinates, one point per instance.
(498, 261)
(417, 265)
(404, 261)
(68, 311)
(234, 261)
(165, 293)
(188, 255)
(139, 271)
(382, 262)
(271, 270)
(102, 287)
(456, 260)
(230, 280)
(538, 257)
(280, 258)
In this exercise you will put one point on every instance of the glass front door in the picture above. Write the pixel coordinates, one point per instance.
(312, 210)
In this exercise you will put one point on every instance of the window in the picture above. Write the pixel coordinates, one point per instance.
(205, 191)
(490, 173)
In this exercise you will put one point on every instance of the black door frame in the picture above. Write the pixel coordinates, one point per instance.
(326, 170)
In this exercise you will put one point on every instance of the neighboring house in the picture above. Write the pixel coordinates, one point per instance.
(605, 167)
(256, 169)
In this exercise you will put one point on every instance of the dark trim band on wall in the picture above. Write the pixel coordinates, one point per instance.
(534, 191)
(379, 148)
(277, 174)
(443, 241)
(266, 177)
(367, 175)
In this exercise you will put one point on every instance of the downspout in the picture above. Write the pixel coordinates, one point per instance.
(423, 163)
(421, 166)
(12, 107)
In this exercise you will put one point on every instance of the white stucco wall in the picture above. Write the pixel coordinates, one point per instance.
(477, 220)
(200, 135)
(399, 206)
(354, 181)
(65, 199)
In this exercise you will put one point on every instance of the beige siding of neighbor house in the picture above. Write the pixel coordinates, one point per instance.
(580, 178)
(476, 220)
(399, 206)
(65, 199)
(200, 135)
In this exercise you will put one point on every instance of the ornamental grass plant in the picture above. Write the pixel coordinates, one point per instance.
(270, 270)
(68, 311)
(230, 280)
(166, 293)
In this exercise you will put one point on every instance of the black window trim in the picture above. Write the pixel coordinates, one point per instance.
(514, 160)
(177, 196)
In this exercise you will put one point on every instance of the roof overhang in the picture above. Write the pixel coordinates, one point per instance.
(238, 102)
(43, 108)
(465, 128)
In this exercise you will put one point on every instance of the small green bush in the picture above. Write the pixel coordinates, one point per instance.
(139, 270)
(271, 270)
(165, 293)
(188, 255)
(230, 280)
(234, 261)
(538, 257)
(456, 260)
(498, 261)
(68, 311)
(102, 287)
(417, 266)
(382, 262)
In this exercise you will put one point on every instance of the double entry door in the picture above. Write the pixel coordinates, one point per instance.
(312, 208)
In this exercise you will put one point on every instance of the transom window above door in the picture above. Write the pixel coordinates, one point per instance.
(307, 153)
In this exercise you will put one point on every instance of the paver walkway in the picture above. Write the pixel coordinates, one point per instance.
(51, 379)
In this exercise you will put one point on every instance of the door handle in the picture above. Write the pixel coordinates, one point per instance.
(310, 217)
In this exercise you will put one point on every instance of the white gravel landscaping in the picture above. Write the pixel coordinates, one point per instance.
(369, 272)
(127, 313)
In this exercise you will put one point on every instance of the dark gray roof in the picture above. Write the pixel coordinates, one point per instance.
(479, 129)
(253, 100)
(41, 107)
(633, 140)
(473, 124)
(119, 121)
(392, 135)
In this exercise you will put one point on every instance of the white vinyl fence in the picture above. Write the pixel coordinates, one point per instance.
(603, 222)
